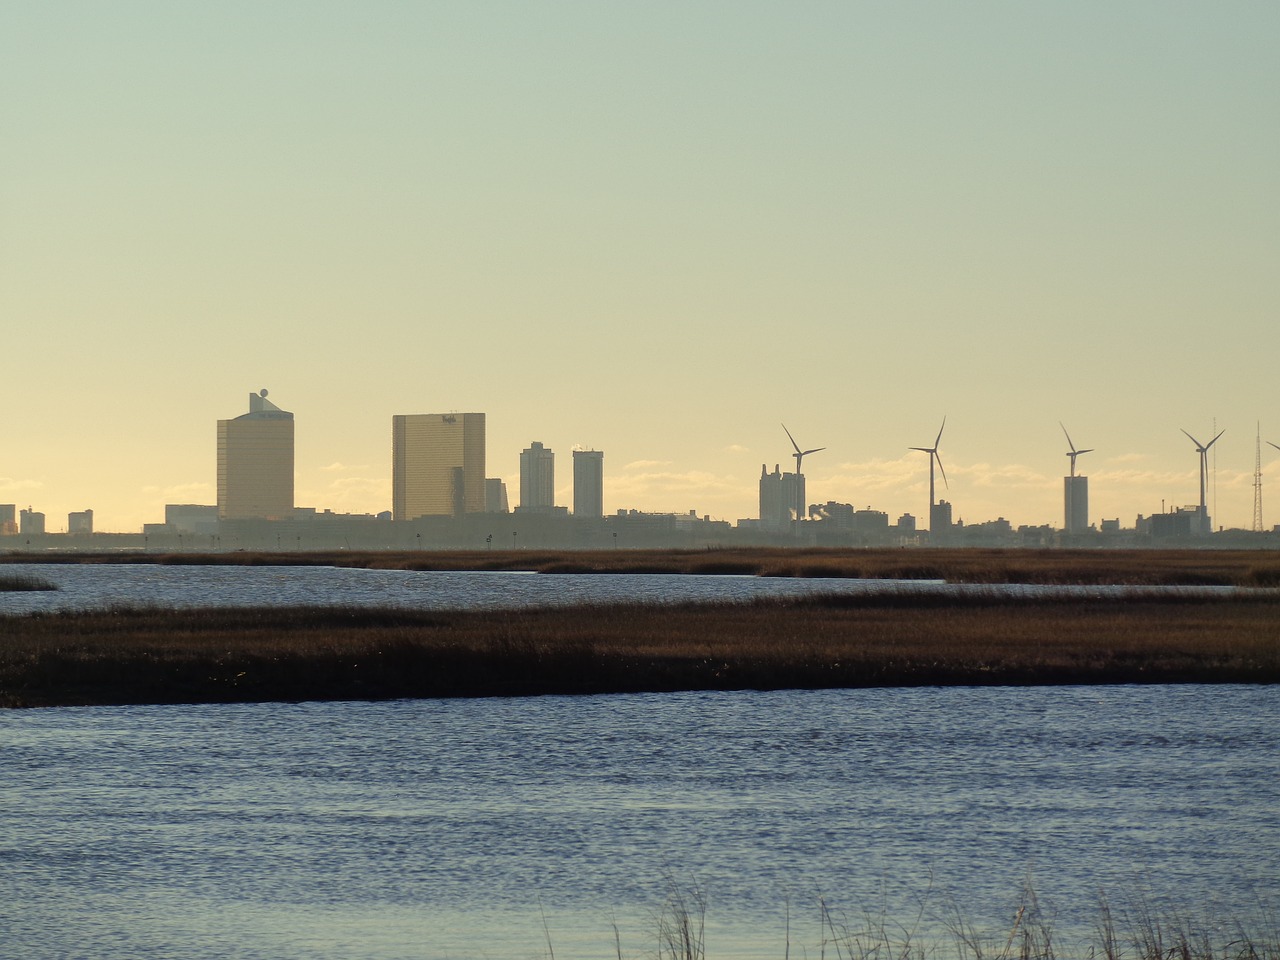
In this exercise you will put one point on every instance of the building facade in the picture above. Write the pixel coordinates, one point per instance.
(782, 498)
(588, 483)
(80, 522)
(255, 463)
(437, 465)
(537, 479)
(1075, 502)
(31, 523)
(8, 519)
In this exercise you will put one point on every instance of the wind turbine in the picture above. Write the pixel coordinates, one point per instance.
(1074, 452)
(799, 455)
(933, 456)
(1203, 450)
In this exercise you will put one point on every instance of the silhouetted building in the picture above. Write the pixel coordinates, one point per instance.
(255, 463)
(588, 483)
(80, 522)
(1075, 495)
(495, 496)
(8, 519)
(537, 479)
(31, 523)
(191, 518)
(780, 495)
(437, 465)
(940, 521)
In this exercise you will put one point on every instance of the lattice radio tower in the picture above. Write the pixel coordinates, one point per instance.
(1257, 481)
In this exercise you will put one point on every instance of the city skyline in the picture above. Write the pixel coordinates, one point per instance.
(657, 231)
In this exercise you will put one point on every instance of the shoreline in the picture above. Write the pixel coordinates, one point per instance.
(228, 655)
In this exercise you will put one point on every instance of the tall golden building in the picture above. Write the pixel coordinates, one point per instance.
(255, 463)
(437, 465)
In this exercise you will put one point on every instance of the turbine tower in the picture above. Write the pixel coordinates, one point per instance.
(1074, 452)
(1075, 493)
(799, 455)
(1203, 450)
(934, 458)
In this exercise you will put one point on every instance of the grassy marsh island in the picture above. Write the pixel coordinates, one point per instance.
(120, 656)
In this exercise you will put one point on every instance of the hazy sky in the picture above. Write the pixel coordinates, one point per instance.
(655, 229)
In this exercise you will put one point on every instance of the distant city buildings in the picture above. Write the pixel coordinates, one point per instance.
(588, 483)
(80, 522)
(437, 465)
(255, 463)
(8, 519)
(537, 479)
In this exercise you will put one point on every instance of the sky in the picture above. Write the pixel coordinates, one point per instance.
(661, 230)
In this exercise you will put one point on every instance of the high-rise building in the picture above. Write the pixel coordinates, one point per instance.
(781, 496)
(255, 463)
(31, 523)
(940, 525)
(1075, 495)
(588, 483)
(537, 479)
(8, 519)
(495, 495)
(80, 521)
(437, 465)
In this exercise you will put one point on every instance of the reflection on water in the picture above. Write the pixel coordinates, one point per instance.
(453, 828)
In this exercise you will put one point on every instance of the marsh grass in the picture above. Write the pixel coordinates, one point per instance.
(1249, 568)
(22, 583)
(225, 655)
(1135, 931)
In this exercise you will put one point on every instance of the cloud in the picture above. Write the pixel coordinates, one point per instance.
(736, 448)
(338, 467)
(646, 464)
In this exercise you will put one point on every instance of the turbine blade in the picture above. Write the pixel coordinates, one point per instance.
(1078, 452)
(940, 429)
(1215, 439)
(791, 438)
(1193, 439)
(1274, 445)
(931, 450)
(1068, 436)
(814, 450)
(943, 469)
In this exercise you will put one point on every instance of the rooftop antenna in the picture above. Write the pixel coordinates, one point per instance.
(799, 455)
(1074, 452)
(934, 457)
(1203, 450)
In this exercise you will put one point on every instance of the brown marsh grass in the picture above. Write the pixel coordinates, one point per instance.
(167, 656)
(1250, 568)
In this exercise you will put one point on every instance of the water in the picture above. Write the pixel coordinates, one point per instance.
(469, 829)
(82, 586)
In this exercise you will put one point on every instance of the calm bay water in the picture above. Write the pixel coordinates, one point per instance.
(458, 828)
(469, 829)
(82, 586)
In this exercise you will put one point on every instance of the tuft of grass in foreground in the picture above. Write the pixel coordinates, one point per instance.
(1243, 568)
(1133, 931)
(245, 655)
(19, 584)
